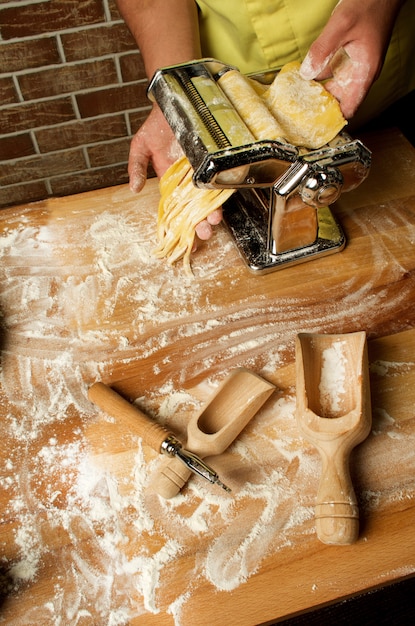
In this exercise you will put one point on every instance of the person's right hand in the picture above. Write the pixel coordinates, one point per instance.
(155, 142)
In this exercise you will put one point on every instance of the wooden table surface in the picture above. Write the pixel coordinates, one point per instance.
(84, 540)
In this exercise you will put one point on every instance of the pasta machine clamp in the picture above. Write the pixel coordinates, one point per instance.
(280, 212)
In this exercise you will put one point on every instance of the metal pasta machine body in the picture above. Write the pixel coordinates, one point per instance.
(279, 214)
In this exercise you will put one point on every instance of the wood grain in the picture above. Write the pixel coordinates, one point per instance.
(83, 537)
(334, 413)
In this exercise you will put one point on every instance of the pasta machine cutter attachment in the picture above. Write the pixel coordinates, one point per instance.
(279, 214)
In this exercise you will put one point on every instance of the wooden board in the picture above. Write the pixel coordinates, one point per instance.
(84, 540)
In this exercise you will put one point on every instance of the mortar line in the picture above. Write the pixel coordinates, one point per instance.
(34, 141)
(17, 87)
(107, 11)
(75, 106)
(60, 47)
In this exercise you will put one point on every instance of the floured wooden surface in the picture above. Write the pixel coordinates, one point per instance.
(83, 539)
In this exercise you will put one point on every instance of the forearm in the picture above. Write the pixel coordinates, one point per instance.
(166, 31)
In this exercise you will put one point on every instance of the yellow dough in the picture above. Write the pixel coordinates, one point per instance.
(308, 114)
(182, 206)
(250, 106)
(300, 112)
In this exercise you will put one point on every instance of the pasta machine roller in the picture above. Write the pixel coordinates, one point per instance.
(279, 214)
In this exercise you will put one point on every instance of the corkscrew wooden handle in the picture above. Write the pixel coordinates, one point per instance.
(123, 411)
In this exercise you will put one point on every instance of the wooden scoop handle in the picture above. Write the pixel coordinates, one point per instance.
(123, 411)
(336, 510)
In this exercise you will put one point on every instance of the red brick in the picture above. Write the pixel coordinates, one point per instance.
(22, 55)
(114, 12)
(16, 146)
(67, 79)
(80, 132)
(34, 114)
(8, 93)
(132, 67)
(137, 119)
(111, 152)
(42, 166)
(49, 16)
(88, 180)
(96, 42)
(104, 101)
(22, 193)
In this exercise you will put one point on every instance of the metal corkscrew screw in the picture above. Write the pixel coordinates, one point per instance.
(154, 435)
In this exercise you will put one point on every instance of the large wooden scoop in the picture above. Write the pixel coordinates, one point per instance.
(211, 431)
(334, 414)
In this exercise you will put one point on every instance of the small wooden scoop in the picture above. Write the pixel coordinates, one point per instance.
(152, 434)
(334, 413)
(210, 432)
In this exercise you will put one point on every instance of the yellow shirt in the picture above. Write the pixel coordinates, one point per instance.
(256, 35)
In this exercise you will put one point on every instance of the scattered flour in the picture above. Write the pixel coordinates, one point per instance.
(77, 507)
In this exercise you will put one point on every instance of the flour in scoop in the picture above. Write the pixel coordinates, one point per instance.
(332, 379)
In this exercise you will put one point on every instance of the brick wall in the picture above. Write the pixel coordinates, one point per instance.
(72, 93)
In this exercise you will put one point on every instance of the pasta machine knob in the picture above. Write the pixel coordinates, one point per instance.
(321, 187)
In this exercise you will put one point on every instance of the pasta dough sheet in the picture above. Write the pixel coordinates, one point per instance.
(308, 114)
(252, 108)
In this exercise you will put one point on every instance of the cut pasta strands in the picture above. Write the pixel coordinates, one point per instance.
(182, 206)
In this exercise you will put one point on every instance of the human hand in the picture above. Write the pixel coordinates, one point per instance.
(351, 49)
(155, 141)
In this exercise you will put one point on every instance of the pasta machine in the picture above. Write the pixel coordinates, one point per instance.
(279, 214)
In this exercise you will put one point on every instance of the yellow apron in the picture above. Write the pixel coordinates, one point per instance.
(256, 35)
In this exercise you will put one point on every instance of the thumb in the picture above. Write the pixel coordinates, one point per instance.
(316, 62)
(137, 164)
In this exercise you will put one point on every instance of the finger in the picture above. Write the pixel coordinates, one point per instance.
(350, 94)
(350, 83)
(137, 177)
(215, 217)
(316, 64)
(137, 164)
(204, 230)
(334, 36)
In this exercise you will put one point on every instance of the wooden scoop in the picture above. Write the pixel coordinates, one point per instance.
(211, 431)
(152, 434)
(334, 413)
